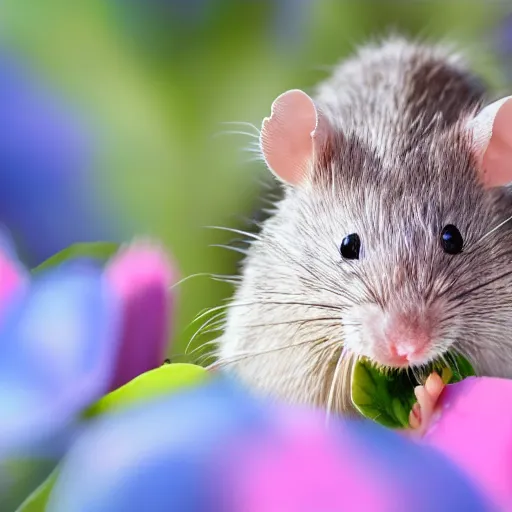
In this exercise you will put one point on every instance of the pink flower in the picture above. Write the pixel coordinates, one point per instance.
(475, 431)
(13, 278)
(142, 275)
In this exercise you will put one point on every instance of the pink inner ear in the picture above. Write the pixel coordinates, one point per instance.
(497, 161)
(492, 131)
(286, 136)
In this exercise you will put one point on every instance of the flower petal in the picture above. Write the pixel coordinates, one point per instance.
(215, 448)
(156, 457)
(475, 431)
(142, 275)
(13, 278)
(56, 353)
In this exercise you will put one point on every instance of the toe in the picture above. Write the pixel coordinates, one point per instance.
(415, 416)
(427, 396)
(434, 386)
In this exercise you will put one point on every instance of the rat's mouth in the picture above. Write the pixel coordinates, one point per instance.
(449, 366)
(386, 395)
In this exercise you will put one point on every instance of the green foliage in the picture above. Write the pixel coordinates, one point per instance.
(164, 380)
(387, 396)
(101, 251)
(36, 502)
(21, 475)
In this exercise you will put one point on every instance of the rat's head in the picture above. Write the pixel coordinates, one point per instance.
(408, 250)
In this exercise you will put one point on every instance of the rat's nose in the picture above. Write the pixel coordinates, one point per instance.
(403, 350)
(393, 337)
(406, 339)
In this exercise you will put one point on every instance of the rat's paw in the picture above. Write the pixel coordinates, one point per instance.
(427, 396)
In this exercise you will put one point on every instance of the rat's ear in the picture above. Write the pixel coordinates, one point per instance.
(491, 131)
(287, 136)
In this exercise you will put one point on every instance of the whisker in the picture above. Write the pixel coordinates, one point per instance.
(347, 378)
(281, 251)
(416, 373)
(257, 158)
(299, 323)
(411, 381)
(203, 326)
(243, 123)
(294, 321)
(237, 231)
(207, 311)
(317, 305)
(231, 248)
(445, 357)
(214, 327)
(333, 387)
(211, 310)
(185, 279)
(245, 355)
(232, 280)
(328, 307)
(494, 229)
(469, 352)
(252, 146)
(202, 346)
(482, 285)
(235, 132)
(252, 149)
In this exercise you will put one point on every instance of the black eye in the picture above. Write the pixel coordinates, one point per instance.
(350, 247)
(451, 240)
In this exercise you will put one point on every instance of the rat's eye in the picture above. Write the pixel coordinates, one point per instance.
(451, 240)
(350, 247)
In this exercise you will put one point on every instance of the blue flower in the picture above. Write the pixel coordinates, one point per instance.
(216, 448)
(58, 344)
(155, 457)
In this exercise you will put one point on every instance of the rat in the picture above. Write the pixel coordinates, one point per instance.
(391, 240)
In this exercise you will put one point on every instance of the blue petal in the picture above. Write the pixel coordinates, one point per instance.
(57, 350)
(175, 455)
(423, 474)
(156, 457)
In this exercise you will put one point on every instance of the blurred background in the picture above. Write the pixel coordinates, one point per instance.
(114, 113)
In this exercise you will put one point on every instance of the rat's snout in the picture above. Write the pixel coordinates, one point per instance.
(393, 338)
(406, 338)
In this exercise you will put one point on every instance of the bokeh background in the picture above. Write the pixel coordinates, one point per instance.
(113, 113)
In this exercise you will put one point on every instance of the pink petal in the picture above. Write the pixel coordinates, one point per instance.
(12, 278)
(305, 468)
(475, 431)
(142, 274)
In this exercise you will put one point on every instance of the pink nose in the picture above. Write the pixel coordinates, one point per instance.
(406, 340)
(403, 351)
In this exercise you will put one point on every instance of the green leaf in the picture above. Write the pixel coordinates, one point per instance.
(387, 396)
(95, 250)
(19, 477)
(37, 501)
(166, 379)
(374, 394)
(460, 368)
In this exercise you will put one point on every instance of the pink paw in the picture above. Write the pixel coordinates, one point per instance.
(426, 407)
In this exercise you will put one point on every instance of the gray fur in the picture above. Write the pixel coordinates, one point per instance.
(396, 169)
